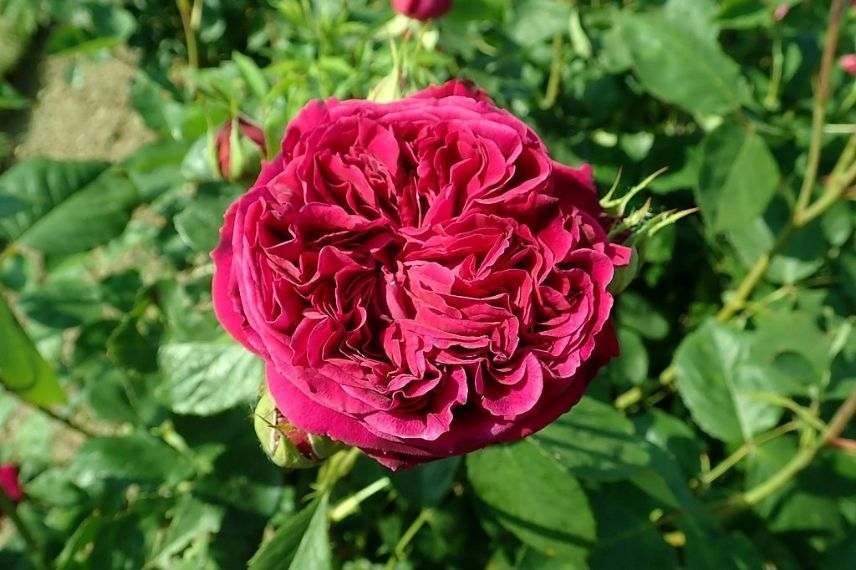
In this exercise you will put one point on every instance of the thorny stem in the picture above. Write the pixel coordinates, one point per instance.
(802, 459)
(744, 450)
(555, 80)
(64, 420)
(187, 18)
(838, 185)
(11, 510)
(68, 423)
(398, 552)
(836, 14)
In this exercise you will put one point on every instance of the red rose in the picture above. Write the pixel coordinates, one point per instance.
(420, 277)
(422, 9)
(10, 485)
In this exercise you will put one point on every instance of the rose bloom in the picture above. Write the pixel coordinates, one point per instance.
(10, 485)
(422, 9)
(420, 277)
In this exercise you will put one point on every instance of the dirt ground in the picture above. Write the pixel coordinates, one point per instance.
(82, 110)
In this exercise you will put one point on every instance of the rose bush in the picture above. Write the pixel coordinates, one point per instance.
(420, 277)
(422, 9)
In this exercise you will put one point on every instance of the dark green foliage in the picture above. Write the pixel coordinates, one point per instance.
(669, 461)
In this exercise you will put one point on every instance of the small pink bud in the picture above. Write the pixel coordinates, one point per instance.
(223, 143)
(848, 63)
(422, 9)
(10, 485)
(781, 12)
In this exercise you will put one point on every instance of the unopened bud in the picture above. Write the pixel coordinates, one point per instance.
(237, 149)
(285, 444)
(10, 483)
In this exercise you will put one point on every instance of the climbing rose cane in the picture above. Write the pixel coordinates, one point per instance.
(420, 278)
(422, 9)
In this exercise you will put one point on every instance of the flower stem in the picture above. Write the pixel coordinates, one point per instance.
(187, 18)
(707, 478)
(555, 80)
(35, 550)
(803, 458)
(335, 468)
(833, 28)
(398, 552)
(348, 506)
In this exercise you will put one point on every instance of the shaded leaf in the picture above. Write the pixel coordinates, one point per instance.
(301, 542)
(594, 440)
(679, 67)
(737, 179)
(536, 498)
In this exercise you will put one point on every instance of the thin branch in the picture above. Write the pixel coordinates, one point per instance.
(833, 28)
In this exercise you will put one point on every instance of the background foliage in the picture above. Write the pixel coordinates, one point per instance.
(712, 442)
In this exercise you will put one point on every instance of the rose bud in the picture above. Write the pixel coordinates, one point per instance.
(848, 63)
(781, 12)
(286, 445)
(235, 147)
(422, 9)
(10, 484)
(420, 277)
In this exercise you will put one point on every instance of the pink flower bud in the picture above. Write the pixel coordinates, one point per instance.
(781, 12)
(848, 63)
(422, 9)
(223, 143)
(10, 485)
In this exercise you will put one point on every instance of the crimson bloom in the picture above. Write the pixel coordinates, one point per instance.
(10, 484)
(422, 9)
(420, 277)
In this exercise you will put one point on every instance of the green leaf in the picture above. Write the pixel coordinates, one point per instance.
(133, 458)
(22, 369)
(738, 177)
(63, 303)
(251, 74)
(537, 20)
(425, 485)
(791, 344)
(677, 66)
(594, 440)
(191, 519)
(11, 99)
(204, 378)
(10, 206)
(673, 436)
(627, 538)
(716, 380)
(302, 542)
(802, 256)
(70, 206)
(710, 549)
(199, 224)
(536, 498)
